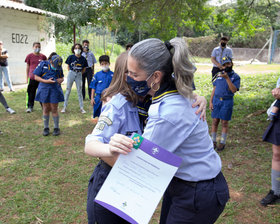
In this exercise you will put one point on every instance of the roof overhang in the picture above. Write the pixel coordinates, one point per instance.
(7, 4)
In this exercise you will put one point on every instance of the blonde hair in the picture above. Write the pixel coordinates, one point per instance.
(119, 84)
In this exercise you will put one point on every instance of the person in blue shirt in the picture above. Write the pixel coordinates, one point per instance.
(221, 102)
(218, 53)
(77, 65)
(50, 75)
(119, 115)
(100, 81)
(198, 192)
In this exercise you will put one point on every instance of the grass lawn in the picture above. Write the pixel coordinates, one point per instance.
(44, 179)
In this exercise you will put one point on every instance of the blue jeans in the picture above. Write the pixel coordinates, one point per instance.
(77, 78)
(5, 70)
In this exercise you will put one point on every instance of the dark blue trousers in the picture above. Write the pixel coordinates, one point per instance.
(86, 76)
(97, 213)
(194, 202)
(97, 106)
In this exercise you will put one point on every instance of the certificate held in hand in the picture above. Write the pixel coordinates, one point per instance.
(138, 180)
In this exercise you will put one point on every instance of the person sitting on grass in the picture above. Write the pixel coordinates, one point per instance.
(50, 75)
(100, 81)
(221, 102)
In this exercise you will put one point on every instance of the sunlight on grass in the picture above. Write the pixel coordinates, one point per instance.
(71, 123)
(6, 162)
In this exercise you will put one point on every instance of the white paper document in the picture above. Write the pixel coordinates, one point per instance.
(138, 180)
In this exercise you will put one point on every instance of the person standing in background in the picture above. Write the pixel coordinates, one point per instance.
(4, 69)
(87, 75)
(218, 54)
(32, 60)
(76, 66)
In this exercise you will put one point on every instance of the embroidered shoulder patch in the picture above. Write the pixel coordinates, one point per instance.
(102, 121)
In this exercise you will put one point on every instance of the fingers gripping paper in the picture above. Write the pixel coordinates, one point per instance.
(138, 180)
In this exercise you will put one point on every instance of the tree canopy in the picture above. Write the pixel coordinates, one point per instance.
(165, 19)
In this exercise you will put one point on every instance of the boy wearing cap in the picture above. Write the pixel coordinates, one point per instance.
(50, 75)
(100, 81)
(221, 102)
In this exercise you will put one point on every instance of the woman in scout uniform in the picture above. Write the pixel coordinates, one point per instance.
(119, 115)
(221, 102)
(198, 192)
(50, 75)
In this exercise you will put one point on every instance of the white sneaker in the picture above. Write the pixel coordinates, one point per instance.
(63, 110)
(12, 90)
(1, 90)
(10, 110)
(82, 111)
(29, 110)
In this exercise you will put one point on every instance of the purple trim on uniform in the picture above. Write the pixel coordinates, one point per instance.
(116, 211)
(162, 154)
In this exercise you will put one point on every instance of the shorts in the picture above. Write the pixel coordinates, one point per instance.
(222, 108)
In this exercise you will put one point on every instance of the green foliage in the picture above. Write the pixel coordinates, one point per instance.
(246, 22)
(78, 13)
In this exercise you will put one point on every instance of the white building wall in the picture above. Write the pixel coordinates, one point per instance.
(18, 32)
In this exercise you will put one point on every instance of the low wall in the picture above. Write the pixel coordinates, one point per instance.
(246, 54)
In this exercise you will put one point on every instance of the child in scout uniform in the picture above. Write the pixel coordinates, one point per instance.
(50, 75)
(119, 115)
(221, 103)
(100, 81)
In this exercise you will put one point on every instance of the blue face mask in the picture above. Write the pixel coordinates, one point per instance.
(141, 88)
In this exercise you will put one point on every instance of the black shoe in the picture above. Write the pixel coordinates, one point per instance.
(270, 199)
(215, 145)
(46, 131)
(221, 147)
(56, 132)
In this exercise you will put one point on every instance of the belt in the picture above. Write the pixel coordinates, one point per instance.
(76, 70)
(225, 98)
(191, 183)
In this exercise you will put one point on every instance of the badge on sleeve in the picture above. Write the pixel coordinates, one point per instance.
(102, 122)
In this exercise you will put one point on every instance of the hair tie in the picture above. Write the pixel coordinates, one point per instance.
(168, 45)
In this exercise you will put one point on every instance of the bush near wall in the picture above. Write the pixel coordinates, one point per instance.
(202, 46)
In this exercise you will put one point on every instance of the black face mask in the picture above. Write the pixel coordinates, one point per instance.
(228, 69)
(223, 44)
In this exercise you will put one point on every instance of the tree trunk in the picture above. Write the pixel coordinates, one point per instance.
(114, 40)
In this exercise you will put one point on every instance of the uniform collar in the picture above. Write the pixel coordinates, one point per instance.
(166, 89)
(106, 72)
